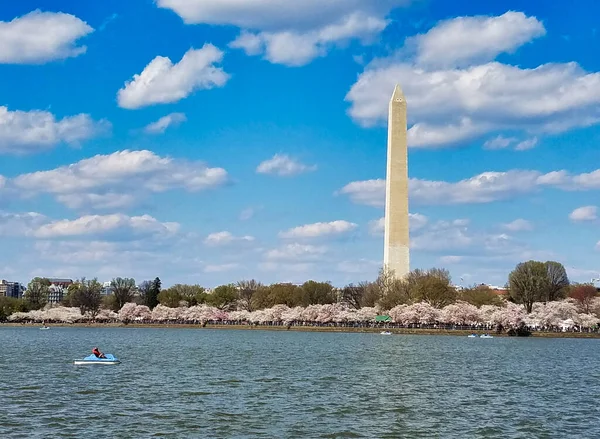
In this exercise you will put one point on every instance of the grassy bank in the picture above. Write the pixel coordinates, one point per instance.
(399, 331)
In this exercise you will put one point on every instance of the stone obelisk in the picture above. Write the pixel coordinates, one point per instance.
(396, 245)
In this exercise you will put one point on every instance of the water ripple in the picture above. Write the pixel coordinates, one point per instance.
(261, 384)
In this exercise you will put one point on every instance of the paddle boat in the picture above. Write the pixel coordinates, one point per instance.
(92, 359)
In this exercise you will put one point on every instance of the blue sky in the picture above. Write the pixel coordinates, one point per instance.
(206, 142)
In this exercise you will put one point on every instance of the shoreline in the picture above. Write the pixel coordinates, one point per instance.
(394, 331)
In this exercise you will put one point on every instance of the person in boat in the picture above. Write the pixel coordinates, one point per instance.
(97, 353)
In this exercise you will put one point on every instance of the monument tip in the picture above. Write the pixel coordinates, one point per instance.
(398, 94)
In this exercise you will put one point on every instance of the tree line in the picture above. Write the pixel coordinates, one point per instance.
(529, 282)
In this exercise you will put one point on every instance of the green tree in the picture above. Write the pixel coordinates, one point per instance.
(391, 291)
(277, 294)
(433, 286)
(480, 295)
(223, 297)
(246, 291)
(145, 291)
(149, 291)
(320, 293)
(67, 297)
(353, 295)
(88, 296)
(10, 305)
(558, 281)
(169, 297)
(529, 283)
(190, 294)
(37, 291)
(123, 291)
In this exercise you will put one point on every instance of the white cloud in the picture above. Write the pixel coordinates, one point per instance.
(458, 239)
(163, 82)
(32, 224)
(31, 131)
(416, 222)
(368, 192)
(284, 166)
(102, 224)
(451, 259)
(518, 225)
(319, 229)
(225, 238)
(290, 33)
(111, 180)
(170, 120)
(39, 37)
(499, 142)
(526, 144)
(296, 49)
(585, 213)
(482, 188)
(296, 252)
(19, 224)
(463, 40)
(448, 105)
(109, 200)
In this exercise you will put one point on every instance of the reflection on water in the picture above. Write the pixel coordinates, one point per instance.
(236, 383)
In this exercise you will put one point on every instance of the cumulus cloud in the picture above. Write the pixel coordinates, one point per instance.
(585, 213)
(283, 166)
(290, 33)
(225, 238)
(319, 229)
(103, 224)
(30, 131)
(459, 239)
(39, 37)
(482, 188)
(416, 222)
(296, 252)
(518, 225)
(457, 92)
(501, 142)
(163, 82)
(296, 49)
(111, 180)
(36, 225)
(17, 224)
(464, 40)
(170, 120)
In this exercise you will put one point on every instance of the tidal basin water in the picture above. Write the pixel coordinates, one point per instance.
(253, 384)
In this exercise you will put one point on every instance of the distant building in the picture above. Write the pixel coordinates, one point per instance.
(11, 289)
(58, 289)
(107, 289)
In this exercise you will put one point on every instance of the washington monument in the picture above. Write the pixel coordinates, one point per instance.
(396, 241)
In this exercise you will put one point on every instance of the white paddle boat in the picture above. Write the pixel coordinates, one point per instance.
(92, 359)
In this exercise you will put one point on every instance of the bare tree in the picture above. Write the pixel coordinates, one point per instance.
(558, 281)
(246, 291)
(88, 296)
(123, 290)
